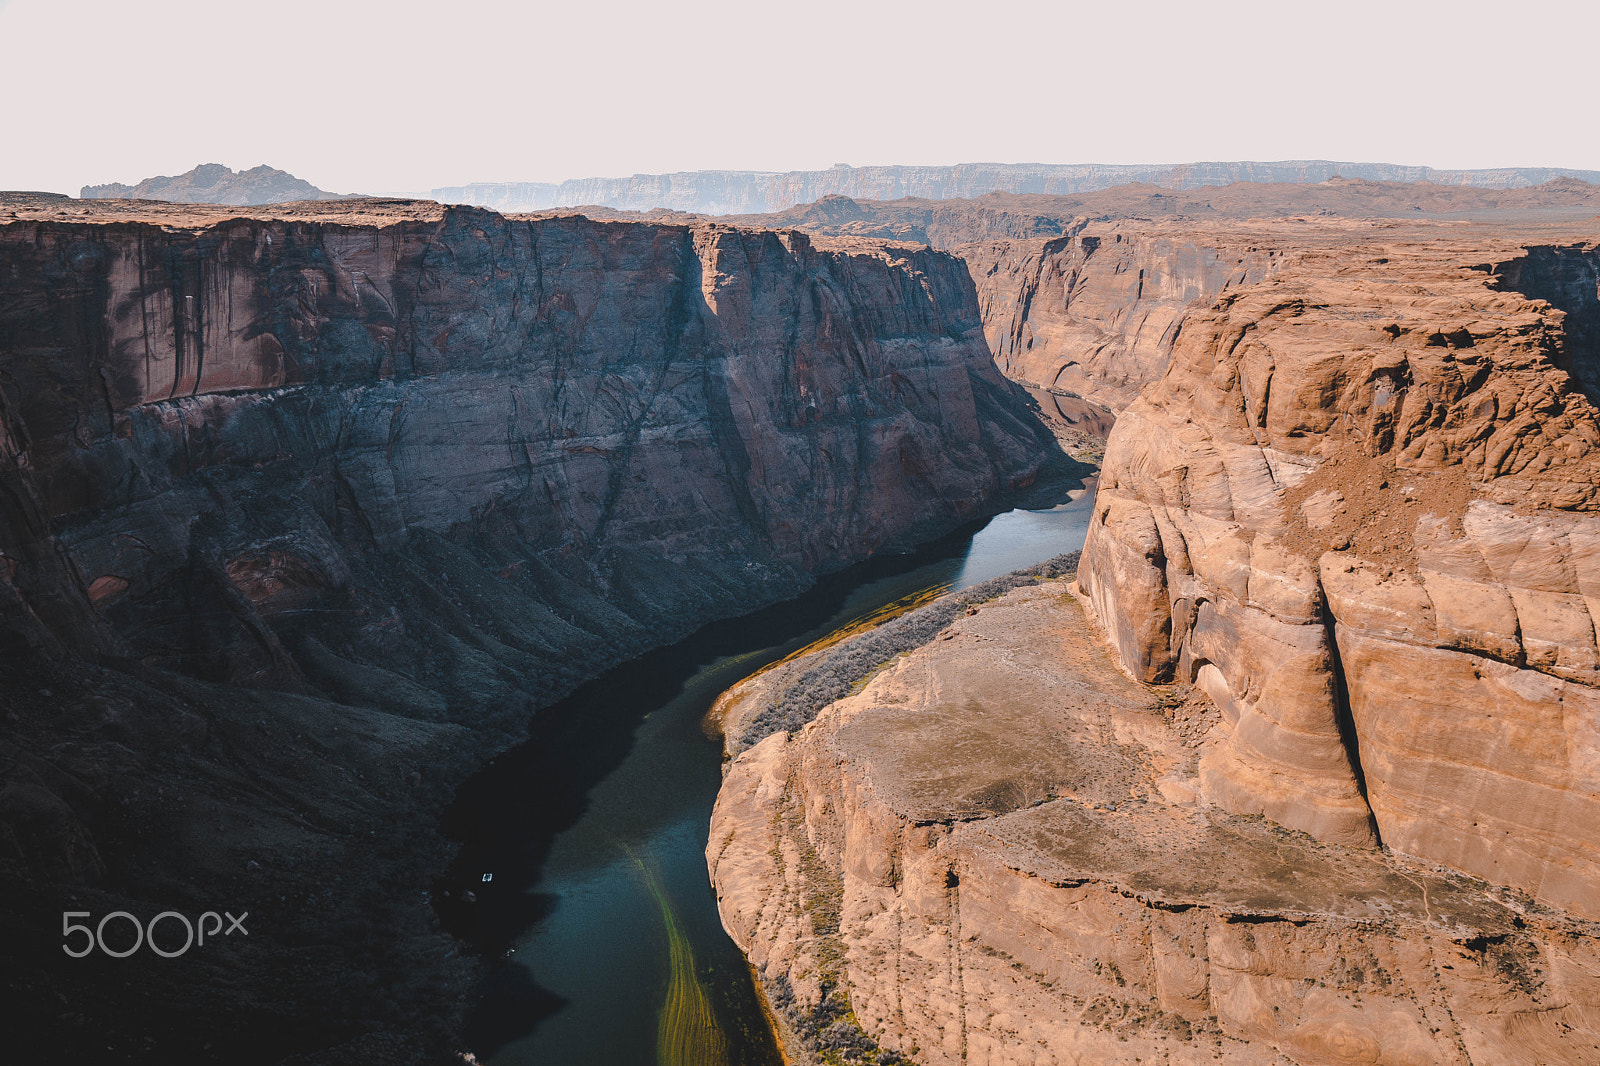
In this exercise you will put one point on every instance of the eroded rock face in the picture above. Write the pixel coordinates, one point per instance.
(1000, 850)
(302, 516)
(1370, 485)
(1096, 312)
(257, 401)
(1568, 277)
(1084, 295)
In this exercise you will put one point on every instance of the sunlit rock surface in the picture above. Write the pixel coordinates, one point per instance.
(1000, 850)
(1370, 484)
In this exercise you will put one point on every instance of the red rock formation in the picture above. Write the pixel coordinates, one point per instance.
(1367, 478)
(992, 852)
(1087, 293)
(1356, 511)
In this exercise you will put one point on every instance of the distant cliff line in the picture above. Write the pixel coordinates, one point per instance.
(721, 192)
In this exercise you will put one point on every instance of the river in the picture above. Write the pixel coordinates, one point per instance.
(592, 834)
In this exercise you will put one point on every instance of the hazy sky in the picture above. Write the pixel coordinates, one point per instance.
(406, 95)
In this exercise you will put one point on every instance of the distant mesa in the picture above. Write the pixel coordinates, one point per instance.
(737, 192)
(213, 183)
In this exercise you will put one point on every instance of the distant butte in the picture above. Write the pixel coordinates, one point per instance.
(213, 183)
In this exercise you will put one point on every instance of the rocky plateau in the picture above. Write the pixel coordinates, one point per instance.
(1000, 850)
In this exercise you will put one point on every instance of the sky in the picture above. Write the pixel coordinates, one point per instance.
(406, 95)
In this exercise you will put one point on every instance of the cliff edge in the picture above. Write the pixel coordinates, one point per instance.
(999, 850)
(1357, 511)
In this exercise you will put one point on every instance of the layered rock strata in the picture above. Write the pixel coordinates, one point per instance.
(305, 513)
(1086, 294)
(1358, 510)
(999, 850)
(1095, 313)
(1350, 524)
(264, 401)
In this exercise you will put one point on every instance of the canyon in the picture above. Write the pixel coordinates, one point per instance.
(1298, 763)
(308, 509)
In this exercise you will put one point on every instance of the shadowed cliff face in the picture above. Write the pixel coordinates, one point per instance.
(1085, 309)
(1568, 278)
(298, 519)
(252, 407)
(1096, 313)
(1085, 295)
(1357, 510)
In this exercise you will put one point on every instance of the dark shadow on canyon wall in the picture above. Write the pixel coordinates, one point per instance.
(300, 523)
(1568, 278)
(508, 814)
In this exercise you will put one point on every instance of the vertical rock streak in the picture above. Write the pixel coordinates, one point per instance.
(613, 390)
(1095, 312)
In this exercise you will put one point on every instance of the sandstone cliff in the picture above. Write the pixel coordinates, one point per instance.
(997, 851)
(1086, 294)
(305, 512)
(1343, 543)
(1096, 313)
(1082, 296)
(611, 393)
(1358, 511)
